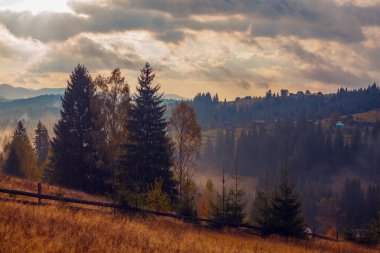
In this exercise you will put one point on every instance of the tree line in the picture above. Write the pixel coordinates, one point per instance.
(109, 141)
(20, 158)
(313, 151)
(213, 112)
(316, 156)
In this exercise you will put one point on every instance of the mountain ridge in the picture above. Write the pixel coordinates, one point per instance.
(10, 92)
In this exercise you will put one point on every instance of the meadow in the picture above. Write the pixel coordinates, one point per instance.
(371, 116)
(57, 228)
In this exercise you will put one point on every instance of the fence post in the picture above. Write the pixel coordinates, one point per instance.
(337, 235)
(39, 193)
(312, 233)
(369, 233)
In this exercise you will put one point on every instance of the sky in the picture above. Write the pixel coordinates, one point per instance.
(230, 47)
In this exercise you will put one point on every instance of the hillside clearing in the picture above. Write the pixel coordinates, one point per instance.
(26, 228)
(370, 116)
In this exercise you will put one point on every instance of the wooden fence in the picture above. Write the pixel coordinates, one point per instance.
(39, 196)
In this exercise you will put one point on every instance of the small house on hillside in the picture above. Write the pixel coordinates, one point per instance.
(339, 125)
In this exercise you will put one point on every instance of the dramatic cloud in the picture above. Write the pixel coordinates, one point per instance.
(49, 26)
(233, 47)
(61, 57)
(337, 75)
(305, 19)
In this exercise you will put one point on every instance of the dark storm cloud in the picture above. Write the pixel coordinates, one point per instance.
(294, 48)
(166, 18)
(321, 69)
(44, 26)
(366, 16)
(85, 51)
(240, 77)
(337, 75)
(174, 36)
(244, 84)
(13, 51)
(267, 8)
(330, 28)
(306, 10)
(305, 19)
(48, 26)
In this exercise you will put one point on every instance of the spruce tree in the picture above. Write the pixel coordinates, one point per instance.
(20, 132)
(12, 164)
(21, 155)
(157, 199)
(285, 213)
(352, 197)
(1, 161)
(41, 143)
(376, 228)
(261, 211)
(73, 154)
(149, 151)
(235, 204)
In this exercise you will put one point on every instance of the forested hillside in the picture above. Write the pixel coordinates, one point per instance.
(9, 92)
(261, 136)
(213, 112)
(143, 151)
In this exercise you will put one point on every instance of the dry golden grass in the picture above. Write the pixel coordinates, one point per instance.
(15, 183)
(371, 116)
(26, 228)
(55, 228)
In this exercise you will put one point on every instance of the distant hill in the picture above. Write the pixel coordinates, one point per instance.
(32, 107)
(370, 116)
(174, 97)
(10, 92)
(45, 108)
(212, 112)
(3, 100)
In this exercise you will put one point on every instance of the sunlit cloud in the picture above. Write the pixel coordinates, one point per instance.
(234, 48)
(35, 6)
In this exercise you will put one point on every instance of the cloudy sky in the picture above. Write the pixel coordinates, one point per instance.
(232, 47)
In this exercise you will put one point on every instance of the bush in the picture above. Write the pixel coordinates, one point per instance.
(362, 236)
(157, 199)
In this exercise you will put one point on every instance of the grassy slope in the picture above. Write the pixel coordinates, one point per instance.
(14, 183)
(26, 228)
(57, 229)
(370, 116)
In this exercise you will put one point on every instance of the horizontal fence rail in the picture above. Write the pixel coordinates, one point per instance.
(41, 196)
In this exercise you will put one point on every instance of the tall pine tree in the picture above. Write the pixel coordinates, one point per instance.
(261, 210)
(41, 143)
(285, 213)
(149, 152)
(73, 155)
(12, 164)
(21, 160)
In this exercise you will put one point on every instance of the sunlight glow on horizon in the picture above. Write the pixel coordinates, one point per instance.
(194, 46)
(36, 6)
